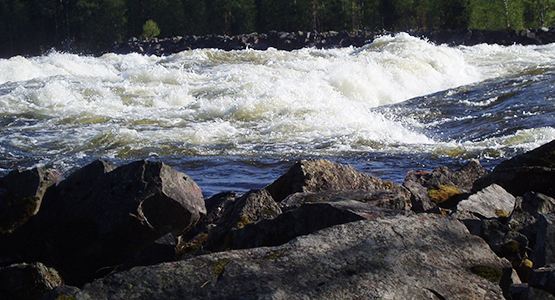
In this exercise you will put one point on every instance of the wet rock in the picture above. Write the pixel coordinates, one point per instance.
(491, 202)
(400, 257)
(323, 175)
(384, 199)
(27, 281)
(21, 193)
(442, 186)
(303, 220)
(533, 171)
(100, 216)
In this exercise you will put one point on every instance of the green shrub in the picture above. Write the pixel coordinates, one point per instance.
(150, 30)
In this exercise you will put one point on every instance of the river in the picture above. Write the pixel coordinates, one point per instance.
(237, 120)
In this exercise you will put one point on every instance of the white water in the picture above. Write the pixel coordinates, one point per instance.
(241, 102)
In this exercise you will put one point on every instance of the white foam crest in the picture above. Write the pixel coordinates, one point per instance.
(496, 61)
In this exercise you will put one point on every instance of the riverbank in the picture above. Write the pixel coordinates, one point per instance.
(324, 40)
(321, 230)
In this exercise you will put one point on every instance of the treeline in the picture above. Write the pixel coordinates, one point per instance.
(34, 26)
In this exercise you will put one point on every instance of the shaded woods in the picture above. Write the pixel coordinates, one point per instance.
(32, 27)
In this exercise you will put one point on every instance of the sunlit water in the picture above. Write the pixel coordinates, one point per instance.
(238, 120)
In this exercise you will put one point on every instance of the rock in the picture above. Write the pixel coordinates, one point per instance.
(400, 257)
(306, 219)
(254, 206)
(324, 175)
(491, 202)
(27, 281)
(544, 250)
(160, 251)
(21, 195)
(442, 186)
(538, 203)
(543, 278)
(525, 292)
(531, 171)
(504, 241)
(100, 216)
(384, 199)
(215, 208)
(63, 292)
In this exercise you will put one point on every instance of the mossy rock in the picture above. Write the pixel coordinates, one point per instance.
(443, 193)
(243, 220)
(219, 266)
(489, 273)
(510, 248)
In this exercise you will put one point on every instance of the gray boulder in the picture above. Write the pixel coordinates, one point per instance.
(491, 202)
(21, 193)
(401, 257)
(254, 206)
(307, 218)
(384, 199)
(544, 250)
(27, 281)
(531, 171)
(442, 186)
(526, 292)
(100, 216)
(543, 278)
(323, 175)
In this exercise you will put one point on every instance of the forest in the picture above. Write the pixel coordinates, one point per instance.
(31, 27)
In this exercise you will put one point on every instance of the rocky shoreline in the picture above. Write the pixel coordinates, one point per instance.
(322, 230)
(297, 40)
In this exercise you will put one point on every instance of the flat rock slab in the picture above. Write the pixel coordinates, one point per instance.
(491, 202)
(421, 256)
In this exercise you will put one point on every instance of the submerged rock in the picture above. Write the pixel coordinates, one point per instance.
(400, 257)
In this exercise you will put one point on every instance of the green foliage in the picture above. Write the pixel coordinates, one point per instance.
(150, 30)
(32, 26)
(488, 273)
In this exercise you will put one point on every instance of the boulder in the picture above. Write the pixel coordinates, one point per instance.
(544, 250)
(504, 241)
(491, 202)
(526, 292)
(27, 281)
(531, 171)
(100, 216)
(424, 256)
(384, 199)
(544, 278)
(21, 193)
(323, 175)
(442, 186)
(253, 206)
(305, 219)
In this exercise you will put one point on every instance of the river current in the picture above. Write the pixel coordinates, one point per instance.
(238, 120)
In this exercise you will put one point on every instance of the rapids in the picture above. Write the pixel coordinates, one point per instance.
(237, 120)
